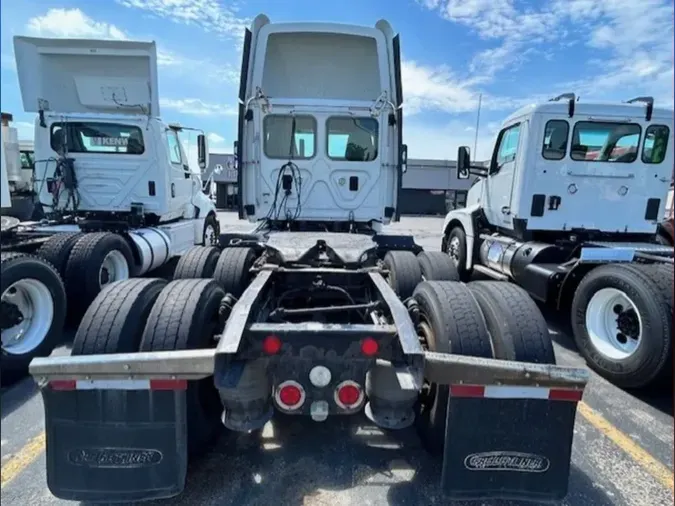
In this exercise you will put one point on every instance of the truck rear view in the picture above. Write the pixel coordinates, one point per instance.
(316, 313)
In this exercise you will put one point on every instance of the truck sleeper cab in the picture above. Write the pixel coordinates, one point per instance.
(320, 123)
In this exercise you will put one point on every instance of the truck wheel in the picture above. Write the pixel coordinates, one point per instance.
(56, 250)
(404, 272)
(438, 266)
(32, 310)
(450, 322)
(115, 320)
(455, 246)
(622, 322)
(233, 269)
(185, 317)
(97, 259)
(197, 262)
(211, 231)
(517, 327)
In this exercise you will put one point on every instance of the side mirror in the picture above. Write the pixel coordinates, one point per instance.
(404, 158)
(235, 159)
(202, 151)
(463, 162)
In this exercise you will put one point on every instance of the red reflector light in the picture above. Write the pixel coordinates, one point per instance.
(271, 345)
(62, 385)
(290, 395)
(348, 395)
(168, 384)
(369, 347)
(565, 395)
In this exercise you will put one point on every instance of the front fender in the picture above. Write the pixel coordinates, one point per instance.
(462, 217)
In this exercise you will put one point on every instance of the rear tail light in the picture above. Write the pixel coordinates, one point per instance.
(349, 395)
(289, 395)
(369, 347)
(271, 345)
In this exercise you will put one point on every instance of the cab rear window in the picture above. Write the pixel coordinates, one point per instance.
(88, 137)
(595, 141)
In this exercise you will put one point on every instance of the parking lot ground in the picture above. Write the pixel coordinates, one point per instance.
(622, 453)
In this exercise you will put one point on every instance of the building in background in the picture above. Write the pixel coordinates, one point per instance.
(430, 187)
(221, 165)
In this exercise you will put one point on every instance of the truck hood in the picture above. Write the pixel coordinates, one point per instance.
(87, 76)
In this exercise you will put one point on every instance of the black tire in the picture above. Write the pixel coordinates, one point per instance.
(13, 268)
(404, 272)
(197, 262)
(56, 250)
(458, 327)
(458, 254)
(233, 269)
(438, 266)
(517, 326)
(83, 270)
(185, 317)
(211, 221)
(650, 288)
(115, 320)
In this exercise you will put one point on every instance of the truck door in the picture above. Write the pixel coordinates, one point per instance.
(501, 176)
(180, 180)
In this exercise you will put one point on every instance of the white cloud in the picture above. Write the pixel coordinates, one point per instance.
(214, 138)
(429, 88)
(636, 37)
(72, 23)
(75, 24)
(197, 107)
(210, 15)
(441, 141)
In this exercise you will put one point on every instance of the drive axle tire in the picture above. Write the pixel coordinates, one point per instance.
(455, 246)
(96, 260)
(233, 270)
(185, 317)
(115, 320)
(198, 262)
(32, 310)
(438, 266)
(517, 326)
(622, 321)
(56, 250)
(450, 322)
(404, 272)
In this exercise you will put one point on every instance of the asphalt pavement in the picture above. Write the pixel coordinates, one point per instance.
(622, 453)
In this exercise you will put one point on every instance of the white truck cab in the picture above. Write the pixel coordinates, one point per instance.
(565, 165)
(101, 150)
(320, 123)
(568, 208)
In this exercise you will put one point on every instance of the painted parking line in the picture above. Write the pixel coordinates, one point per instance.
(22, 459)
(655, 468)
(661, 473)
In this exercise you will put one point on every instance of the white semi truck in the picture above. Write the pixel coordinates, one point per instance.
(119, 196)
(568, 208)
(316, 313)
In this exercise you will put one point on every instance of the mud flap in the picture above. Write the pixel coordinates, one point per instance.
(115, 445)
(505, 448)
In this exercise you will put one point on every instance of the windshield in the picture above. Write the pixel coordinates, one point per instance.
(605, 142)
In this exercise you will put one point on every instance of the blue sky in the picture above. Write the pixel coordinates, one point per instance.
(513, 52)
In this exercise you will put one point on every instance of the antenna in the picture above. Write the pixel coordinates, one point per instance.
(475, 140)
